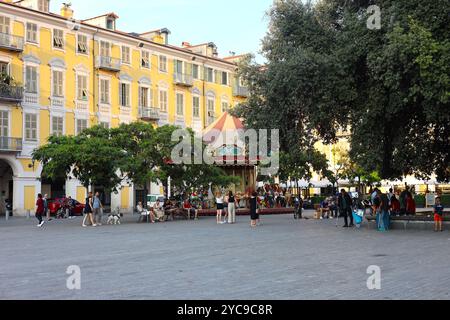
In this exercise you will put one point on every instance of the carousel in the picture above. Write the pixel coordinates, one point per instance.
(230, 153)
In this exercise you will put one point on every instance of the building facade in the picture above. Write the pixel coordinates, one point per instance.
(60, 76)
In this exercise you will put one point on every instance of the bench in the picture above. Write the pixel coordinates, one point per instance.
(422, 222)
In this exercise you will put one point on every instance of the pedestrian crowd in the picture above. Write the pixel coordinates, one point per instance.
(341, 205)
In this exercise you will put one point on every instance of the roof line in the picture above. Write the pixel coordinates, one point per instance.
(121, 33)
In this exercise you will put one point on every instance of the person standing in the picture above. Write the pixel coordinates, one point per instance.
(3, 203)
(383, 212)
(40, 210)
(254, 214)
(231, 208)
(403, 198)
(98, 208)
(71, 207)
(345, 208)
(46, 211)
(219, 204)
(438, 215)
(88, 209)
(390, 195)
(225, 209)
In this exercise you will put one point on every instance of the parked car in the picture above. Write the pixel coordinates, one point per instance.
(54, 205)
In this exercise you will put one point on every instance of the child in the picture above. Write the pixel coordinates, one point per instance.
(438, 215)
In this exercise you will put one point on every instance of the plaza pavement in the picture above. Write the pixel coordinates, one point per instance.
(282, 259)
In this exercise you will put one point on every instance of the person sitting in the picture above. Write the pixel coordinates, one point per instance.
(159, 211)
(144, 213)
(395, 206)
(187, 206)
(324, 208)
(333, 208)
(410, 205)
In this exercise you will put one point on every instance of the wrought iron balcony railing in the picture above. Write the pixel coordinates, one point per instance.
(183, 79)
(107, 63)
(240, 91)
(10, 144)
(147, 113)
(11, 93)
(10, 42)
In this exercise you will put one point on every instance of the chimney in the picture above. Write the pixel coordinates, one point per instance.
(185, 44)
(66, 11)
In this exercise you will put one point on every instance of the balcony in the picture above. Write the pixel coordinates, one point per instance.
(149, 114)
(31, 98)
(9, 93)
(183, 79)
(82, 106)
(8, 144)
(57, 102)
(108, 63)
(240, 91)
(10, 42)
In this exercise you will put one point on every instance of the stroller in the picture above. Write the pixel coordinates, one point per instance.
(358, 211)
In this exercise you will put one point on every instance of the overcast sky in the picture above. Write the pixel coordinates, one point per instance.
(233, 25)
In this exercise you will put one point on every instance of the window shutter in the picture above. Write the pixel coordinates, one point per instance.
(188, 67)
(155, 98)
(140, 96)
(218, 76)
(205, 74)
(120, 94)
(55, 86)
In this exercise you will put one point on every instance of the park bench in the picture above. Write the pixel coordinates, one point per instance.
(421, 221)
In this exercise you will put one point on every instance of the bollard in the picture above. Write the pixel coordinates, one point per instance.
(28, 214)
(7, 215)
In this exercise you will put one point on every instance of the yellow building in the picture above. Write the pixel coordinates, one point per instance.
(60, 76)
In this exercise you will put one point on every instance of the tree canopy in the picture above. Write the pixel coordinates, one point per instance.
(327, 73)
(134, 153)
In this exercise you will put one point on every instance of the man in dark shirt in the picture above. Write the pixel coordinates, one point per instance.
(345, 208)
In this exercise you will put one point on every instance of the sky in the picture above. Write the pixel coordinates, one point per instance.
(233, 25)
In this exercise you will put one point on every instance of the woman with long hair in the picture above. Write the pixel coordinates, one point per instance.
(219, 204)
(231, 208)
(88, 210)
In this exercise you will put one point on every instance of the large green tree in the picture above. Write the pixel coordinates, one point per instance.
(326, 72)
(135, 153)
(90, 157)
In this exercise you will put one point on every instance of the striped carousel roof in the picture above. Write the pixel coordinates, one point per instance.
(225, 123)
(222, 136)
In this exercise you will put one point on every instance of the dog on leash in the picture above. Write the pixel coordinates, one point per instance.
(114, 218)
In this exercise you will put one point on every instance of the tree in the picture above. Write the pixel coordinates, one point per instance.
(138, 141)
(90, 157)
(388, 87)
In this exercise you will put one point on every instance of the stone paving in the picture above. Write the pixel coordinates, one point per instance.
(282, 259)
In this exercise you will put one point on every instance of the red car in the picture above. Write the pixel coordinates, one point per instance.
(55, 204)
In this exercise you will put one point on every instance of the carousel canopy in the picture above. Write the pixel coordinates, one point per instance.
(225, 129)
(223, 137)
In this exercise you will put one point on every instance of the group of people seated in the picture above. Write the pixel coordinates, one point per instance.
(274, 197)
(162, 211)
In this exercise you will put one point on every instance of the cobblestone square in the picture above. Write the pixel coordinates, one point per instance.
(282, 259)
